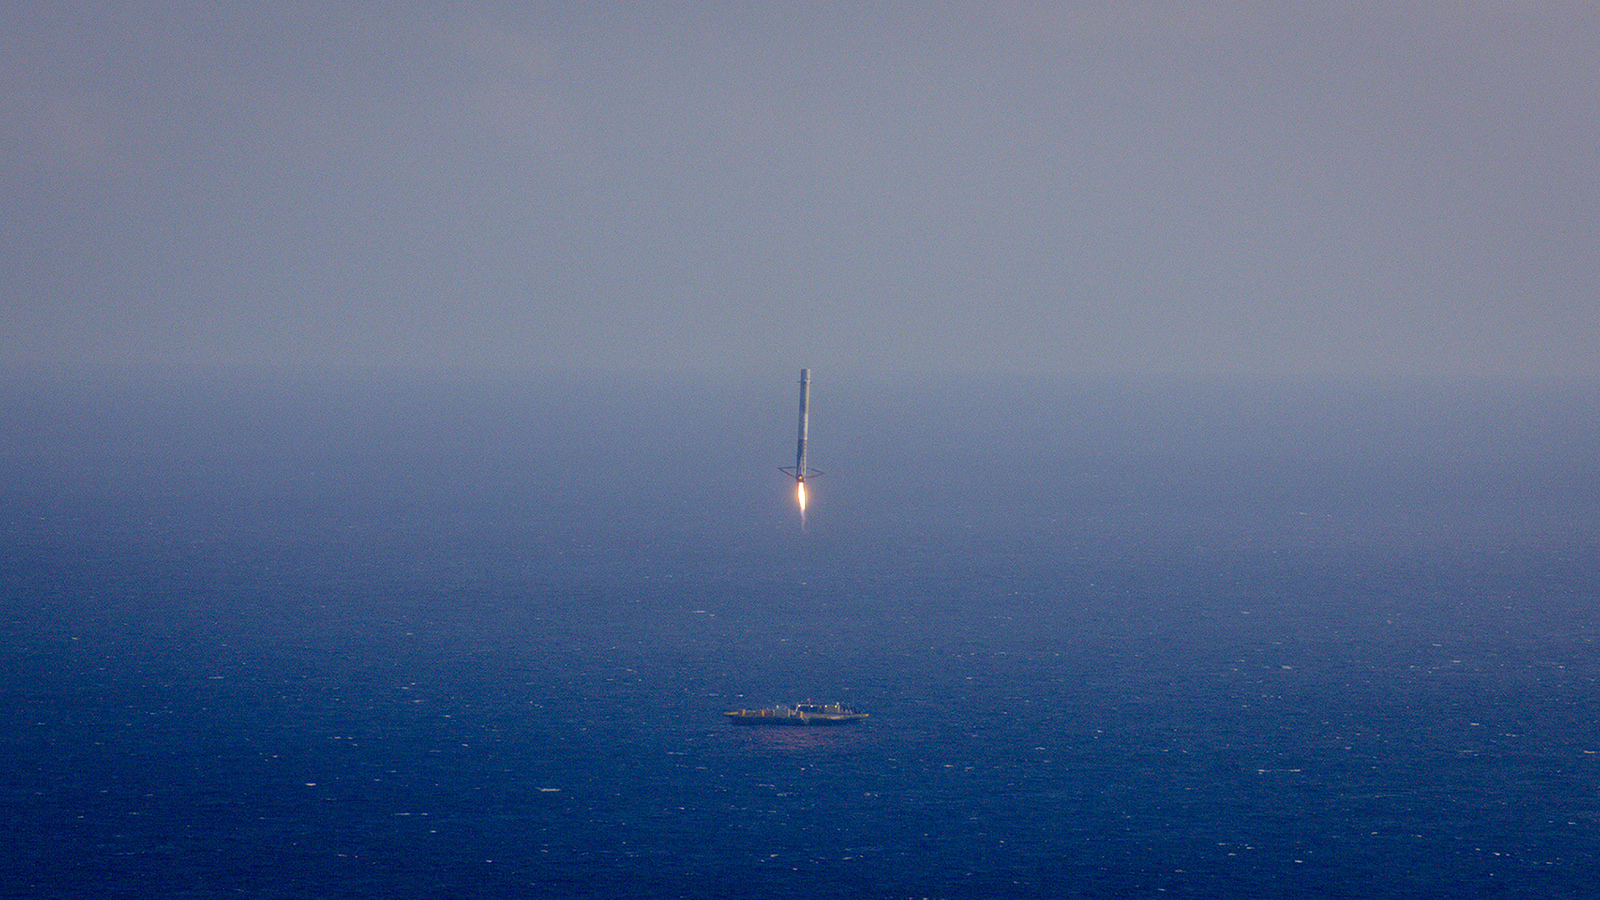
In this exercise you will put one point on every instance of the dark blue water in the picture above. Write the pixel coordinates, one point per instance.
(474, 638)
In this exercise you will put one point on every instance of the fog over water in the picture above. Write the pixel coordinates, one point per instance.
(921, 453)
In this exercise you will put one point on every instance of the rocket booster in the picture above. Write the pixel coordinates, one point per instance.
(800, 472)
(800, 446)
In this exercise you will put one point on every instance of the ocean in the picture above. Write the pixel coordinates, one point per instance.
(474, 636)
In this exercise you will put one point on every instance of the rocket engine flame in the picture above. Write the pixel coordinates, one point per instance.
(801, 493)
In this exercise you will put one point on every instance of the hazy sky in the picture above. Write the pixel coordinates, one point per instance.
(1302, 188)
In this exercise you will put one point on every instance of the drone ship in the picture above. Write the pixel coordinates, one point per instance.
(798, 714)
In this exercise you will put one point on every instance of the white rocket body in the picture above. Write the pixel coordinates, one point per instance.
(800, 448)
(800, 472)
